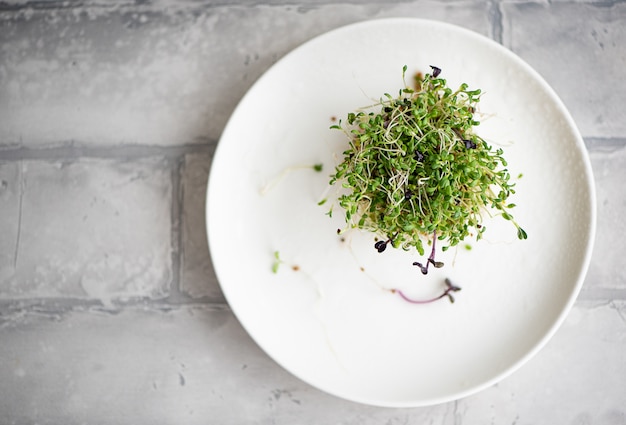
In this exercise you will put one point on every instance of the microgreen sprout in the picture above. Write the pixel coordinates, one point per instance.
(277, 262)
(447, 293)
(269, 186)
(382, 245)
(415, 171)
(431, 259)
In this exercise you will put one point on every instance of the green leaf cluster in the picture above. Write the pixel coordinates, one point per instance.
(416, 168)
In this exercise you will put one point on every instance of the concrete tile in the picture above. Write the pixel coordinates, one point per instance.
(88, 228)
(567, 382)
(157, 75)
(193, 365)
(606, 270)
(579, 49)
(197, 277)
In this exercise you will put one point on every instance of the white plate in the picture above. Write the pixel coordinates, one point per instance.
(332, 323)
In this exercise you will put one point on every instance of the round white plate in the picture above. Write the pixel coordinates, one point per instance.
(328, 314)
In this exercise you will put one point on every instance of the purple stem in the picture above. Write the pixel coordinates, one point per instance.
(449, 288)
(431, 258)
(412, 301)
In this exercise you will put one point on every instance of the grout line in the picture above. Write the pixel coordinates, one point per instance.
(604, 144)
(175, 294)
(127, 152)
(22, 188)
(494, 15)
(148, 6)
(58, 307)
(601, 294)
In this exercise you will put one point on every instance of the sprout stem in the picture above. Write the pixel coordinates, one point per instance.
(431, 258)
(447, 293)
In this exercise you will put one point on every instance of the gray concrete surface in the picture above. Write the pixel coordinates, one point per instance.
(110, 311)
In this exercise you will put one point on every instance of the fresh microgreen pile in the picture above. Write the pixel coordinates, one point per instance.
(416, 172)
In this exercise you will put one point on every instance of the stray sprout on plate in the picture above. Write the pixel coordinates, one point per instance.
(415, 172)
